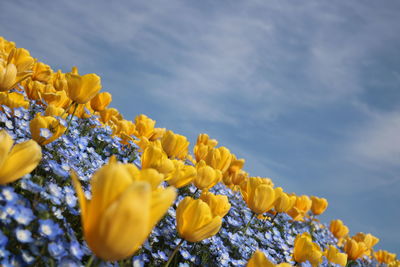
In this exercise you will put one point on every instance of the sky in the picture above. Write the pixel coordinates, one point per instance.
(307, 92)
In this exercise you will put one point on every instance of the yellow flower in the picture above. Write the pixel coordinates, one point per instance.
(219, 204)
(338, 229)
(258, 194)
(334, 256)
(41, 72)
(205, 139)
(55, 111)
(319, 205)
(144, 126)
(59, 81)
(13, 100)
(206, 176)
(122, 211)
(305, 250)
(284, 202)
(300, 208)
(383, 256)
(39, 123)
(233, 170)
(154, 157)
(195, 221)
(8, 77)
(81, 89)
(369, 240)
(219, 158)
(175, 145)
(354, 249)
(182, 174)
(21, 58)
(200, 151)
(18, 160)
(260, 260)
(101, 101)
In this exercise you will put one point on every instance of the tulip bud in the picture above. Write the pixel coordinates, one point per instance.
(334, 256)
(122, 211)
(195, 220)
(45, 129)
(101, 101)
(206, 176)
(18, 160)
(319, 205)
(219, 204)
(81, 89)
(284, 202)
(219, 158)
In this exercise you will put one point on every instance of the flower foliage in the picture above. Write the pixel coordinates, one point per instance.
(88, 173)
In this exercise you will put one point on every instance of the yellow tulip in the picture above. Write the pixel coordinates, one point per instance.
(206, 176)
(259, 195)
(122, 211)
(354, 249)
(13, 100)
(110, 114)
(154, 157)
(205, 139)
(318, 205)
(175, 145)
(39, 122)
(8, 77)
(33, 89)
(182, 174)
(239, 177)
(234, 168)
(338, 229)
(157, 134)
(22, 59)
(195, 220)
(101, 101)
(260, 260)
(305, 250)
(144, 126)
(219, 204)
(369, 240)
(55, 111)
(284, 202)
(81, 89)
(219, 158)
(41, 72)
(383, 256)
(200, 151)
(18, 160)
(59, 81)
(334, 256)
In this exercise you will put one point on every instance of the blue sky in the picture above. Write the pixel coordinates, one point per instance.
(307, 92)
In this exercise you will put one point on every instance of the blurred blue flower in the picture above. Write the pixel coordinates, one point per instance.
(49, 229)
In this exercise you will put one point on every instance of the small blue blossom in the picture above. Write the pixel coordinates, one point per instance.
(23, 236)
(49, 229)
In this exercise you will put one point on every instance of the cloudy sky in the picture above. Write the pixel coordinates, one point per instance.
(308, 92)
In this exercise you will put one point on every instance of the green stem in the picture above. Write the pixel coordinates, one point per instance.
(90, 261)
(194, 194)
(273, 218)
(247, 225)
(174, 252)
(72, 116)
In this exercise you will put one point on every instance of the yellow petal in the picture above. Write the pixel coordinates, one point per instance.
(6, 143)
(23, 158)
(161, 200)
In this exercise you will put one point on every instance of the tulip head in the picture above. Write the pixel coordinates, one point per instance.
(335, 256)
(206, 176)
(338, 229)
(383, 256)
(306, 250)
(175, 145)
(219, 158)
(219, 204)
(101, 101)
(18, 160)
(258, 194)
(259, 259)
(81, 89)
(318, 205)
(154, 157)
(195, 220)
(41, 72)
(369, 240)
(182, 174)
(13, 100)
(354, 249)
(45, 129)
(144, 126)
(284, 202)
(123, 210)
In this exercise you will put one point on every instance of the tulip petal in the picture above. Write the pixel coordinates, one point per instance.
(83, 202)
(161, 200)
(23, 158)
(206, 231)
(6, 143)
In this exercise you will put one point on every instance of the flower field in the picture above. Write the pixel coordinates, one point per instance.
(82, 186)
